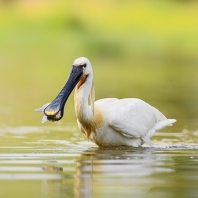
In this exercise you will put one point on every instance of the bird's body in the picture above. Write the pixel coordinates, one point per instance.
(114, 122)
(110, 122)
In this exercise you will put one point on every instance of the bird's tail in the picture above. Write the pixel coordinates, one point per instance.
(164, 123)
(159, 125)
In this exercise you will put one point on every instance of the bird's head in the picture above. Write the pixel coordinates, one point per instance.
(85, 64)
(80, 70)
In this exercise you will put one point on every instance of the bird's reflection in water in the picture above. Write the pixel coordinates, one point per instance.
(112, 172)
(84, 178)
(121, 172)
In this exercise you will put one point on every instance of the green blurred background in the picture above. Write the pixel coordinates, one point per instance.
(144, 49)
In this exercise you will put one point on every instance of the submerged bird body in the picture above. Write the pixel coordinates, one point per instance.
(107, 122)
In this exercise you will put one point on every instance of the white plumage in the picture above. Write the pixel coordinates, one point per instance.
(128, 121)
(110, 121)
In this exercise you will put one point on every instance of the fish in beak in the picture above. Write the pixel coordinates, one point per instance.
(44, 119)
(54, 111)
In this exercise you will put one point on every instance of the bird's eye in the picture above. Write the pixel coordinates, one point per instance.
(85, 65)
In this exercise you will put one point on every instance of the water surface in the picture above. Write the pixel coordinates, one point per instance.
(53, 167)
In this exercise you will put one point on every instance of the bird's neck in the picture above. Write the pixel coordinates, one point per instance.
(83, 111)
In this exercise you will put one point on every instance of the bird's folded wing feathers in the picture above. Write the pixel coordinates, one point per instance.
(134, 118)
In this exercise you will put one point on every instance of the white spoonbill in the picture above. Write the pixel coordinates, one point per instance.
(110, 121)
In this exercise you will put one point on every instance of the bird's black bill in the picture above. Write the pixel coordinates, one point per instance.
(55, 110)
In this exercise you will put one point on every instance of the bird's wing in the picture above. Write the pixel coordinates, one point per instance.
(134, 117)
